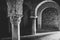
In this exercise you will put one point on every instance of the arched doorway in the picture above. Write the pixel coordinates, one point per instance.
(50, 7)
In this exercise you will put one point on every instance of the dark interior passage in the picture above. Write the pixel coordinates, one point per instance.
(4, 20)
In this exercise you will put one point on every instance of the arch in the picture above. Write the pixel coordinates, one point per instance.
(41, 7)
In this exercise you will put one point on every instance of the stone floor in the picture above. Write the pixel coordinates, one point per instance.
(8, 38)
(43, 36)
(40, 36)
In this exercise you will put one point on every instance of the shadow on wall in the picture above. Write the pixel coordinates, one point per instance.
(26, 22)
(4, 20)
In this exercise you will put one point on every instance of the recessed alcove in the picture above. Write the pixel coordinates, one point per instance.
(49, 19)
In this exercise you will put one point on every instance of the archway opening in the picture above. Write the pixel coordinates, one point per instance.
(50, 20)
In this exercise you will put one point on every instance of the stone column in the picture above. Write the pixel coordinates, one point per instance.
(15, 10)
(33, 17)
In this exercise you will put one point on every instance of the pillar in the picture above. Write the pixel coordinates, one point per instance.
(15, 12)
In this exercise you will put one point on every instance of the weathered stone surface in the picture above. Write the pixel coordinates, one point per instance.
(15, 12)
(14, 7)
